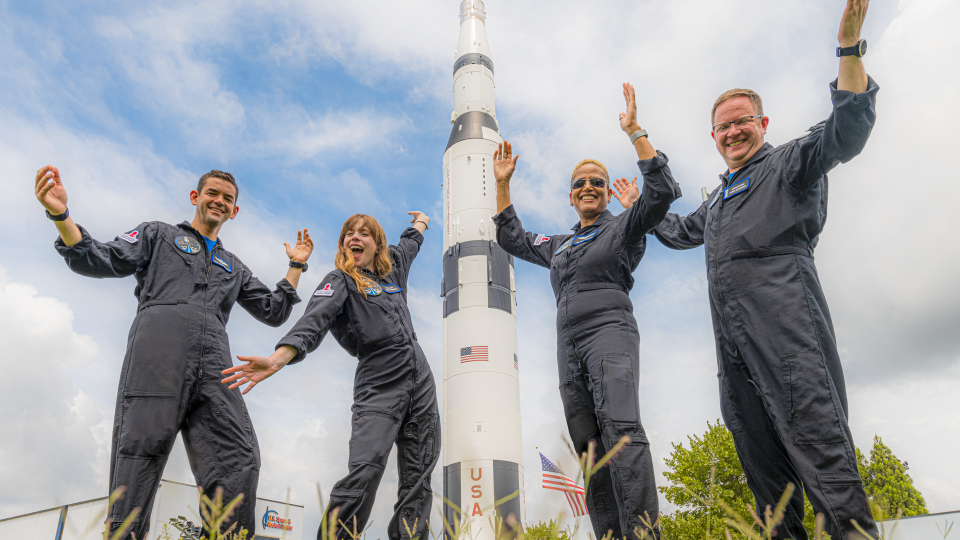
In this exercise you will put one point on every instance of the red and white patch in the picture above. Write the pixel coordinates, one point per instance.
(327, 290)
(130, 237)
(540, 239)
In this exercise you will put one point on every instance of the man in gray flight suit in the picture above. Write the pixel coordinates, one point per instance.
(186, 285)
(782, 392)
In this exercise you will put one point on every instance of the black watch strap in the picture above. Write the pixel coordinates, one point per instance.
(61, 217)
(300, 265)
(858, 50)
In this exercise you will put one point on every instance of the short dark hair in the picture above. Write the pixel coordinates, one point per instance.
(223, 175)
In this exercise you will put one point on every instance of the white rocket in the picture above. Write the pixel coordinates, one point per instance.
(483, 447)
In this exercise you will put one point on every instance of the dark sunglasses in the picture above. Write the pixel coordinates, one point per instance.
(599, 183)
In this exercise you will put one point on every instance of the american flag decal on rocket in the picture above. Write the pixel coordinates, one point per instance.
(474, 354)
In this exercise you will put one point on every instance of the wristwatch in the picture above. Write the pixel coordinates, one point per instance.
(300, 265)
(61, 217)
(636, 135)
(858, 50)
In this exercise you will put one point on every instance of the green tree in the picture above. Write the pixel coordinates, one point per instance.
(702, 477)
(887, 483)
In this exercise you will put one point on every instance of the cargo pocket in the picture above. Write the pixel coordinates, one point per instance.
(374, 433)
(618, 399)
(846, 498)
(149, 424)
(810, 411)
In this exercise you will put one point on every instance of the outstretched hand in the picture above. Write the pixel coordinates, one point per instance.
(419, 219)
(504, 162)
(628, 120)
(300, 252)
(49, 190)
(625, 192)
(852, 22)
(256, 369)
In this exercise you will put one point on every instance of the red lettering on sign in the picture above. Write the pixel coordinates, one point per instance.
(476, 510)
(476, 492)
(479, 474)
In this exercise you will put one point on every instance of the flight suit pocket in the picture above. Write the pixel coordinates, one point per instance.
(618, 389)
(810, 410)
(149, 423)
(844, 495)
(373, 435)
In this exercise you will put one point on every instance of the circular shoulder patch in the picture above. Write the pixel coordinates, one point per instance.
(188, 244)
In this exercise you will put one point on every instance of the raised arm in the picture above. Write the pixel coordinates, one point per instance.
(298, 255)
(852, 77)
(49, 190)
(629, 125)
(845, 132)
(504, 163)
(659, 189)
(408, 247)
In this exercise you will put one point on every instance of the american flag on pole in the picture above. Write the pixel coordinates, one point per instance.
(554, 479)
(474, 354)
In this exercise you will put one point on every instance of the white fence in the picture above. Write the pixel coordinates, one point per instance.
(174, 501)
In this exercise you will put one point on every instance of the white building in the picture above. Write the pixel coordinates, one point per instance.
(929, 527)
(174, 502)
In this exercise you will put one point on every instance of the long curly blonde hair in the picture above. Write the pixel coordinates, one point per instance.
(381, 261)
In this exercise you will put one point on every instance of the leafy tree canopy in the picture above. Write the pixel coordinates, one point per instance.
(887, 483)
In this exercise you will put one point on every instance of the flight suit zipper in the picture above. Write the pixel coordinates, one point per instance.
(203, 300)
(716, 258)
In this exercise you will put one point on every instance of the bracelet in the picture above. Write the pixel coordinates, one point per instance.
(61, 217)
(637, 134)
(300, 265)
(425, 224)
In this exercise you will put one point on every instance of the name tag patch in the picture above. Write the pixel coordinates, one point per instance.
(327, 290)
(392, 288)
(577, 240)
(130, 237)
(188, 244)
(217, 260)
(737, 188)
(540, 239)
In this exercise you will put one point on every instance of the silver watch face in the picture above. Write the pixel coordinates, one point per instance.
(863, 47)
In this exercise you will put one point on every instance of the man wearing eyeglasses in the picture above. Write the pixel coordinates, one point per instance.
(782, 391)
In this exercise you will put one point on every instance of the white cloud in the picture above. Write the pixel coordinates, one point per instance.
(54, 434)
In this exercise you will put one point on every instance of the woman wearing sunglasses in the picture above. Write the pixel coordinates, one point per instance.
(597, 338)
(363, 303)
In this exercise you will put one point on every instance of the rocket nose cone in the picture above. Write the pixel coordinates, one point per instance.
(472, 9)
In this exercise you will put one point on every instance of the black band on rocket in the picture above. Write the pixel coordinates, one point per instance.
(473, 58)
(498, 275)
(468, 126)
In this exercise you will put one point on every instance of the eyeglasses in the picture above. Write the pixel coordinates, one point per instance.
(740, 122)
(595, 182)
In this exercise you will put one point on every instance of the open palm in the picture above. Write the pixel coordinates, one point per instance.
(504, 162)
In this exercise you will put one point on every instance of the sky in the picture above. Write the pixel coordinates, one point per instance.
(323, 109)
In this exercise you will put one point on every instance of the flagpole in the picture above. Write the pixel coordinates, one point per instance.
(540, 487)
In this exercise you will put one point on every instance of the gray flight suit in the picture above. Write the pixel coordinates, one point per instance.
(598, 343)
(394, 394)
(176, 349)
(782, 393)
